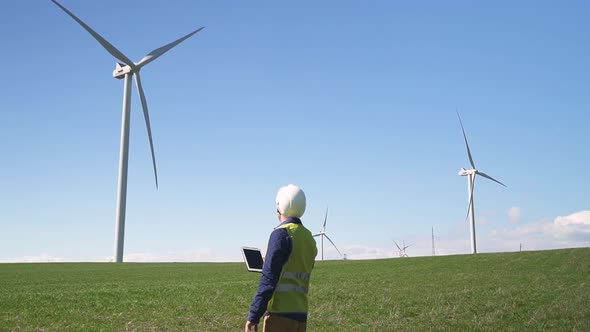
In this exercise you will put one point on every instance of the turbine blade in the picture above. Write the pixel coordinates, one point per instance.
(317, 234)
(146, 115)
(327, 237)
(490, 178)
(153, 55)
(466, 144)
(326, 218)
(397, 245)
(470, 199)
(108, 46)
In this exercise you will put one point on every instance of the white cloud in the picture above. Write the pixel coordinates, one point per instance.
(43, 258)
(578, 218)
(195, 255)
(567, 231)
(574, 226)
(514, 215)
(359, 251)
(563, 232)
(483, 220)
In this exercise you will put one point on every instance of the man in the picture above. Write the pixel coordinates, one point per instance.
(284, 284)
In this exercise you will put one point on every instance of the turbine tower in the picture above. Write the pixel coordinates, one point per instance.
(322, 233)
(433, 251)
(126, 70)
(471, 173)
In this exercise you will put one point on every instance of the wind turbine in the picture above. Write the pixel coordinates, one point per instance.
(471, 173)
(126, 70)
(402, 250)
(322, 233)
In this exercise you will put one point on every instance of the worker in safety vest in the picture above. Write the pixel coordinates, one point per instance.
(284, 284)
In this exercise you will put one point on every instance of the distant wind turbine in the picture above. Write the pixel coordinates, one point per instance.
(126, 70)
(402, 250)
(471, 173)
(322, 233)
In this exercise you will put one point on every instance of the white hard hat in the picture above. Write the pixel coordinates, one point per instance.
(291, 201)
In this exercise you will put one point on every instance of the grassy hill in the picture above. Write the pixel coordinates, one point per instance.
(543, 290)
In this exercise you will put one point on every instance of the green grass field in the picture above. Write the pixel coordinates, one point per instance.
(544, 290)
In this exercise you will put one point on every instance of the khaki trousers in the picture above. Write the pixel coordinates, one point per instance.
(276, 323)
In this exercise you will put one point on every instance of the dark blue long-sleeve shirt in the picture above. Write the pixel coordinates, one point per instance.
(279, 249)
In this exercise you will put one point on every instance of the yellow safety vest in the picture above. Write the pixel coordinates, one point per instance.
(290, 295)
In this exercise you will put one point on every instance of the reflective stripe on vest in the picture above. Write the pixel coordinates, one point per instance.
(296, 275)
(291, 288)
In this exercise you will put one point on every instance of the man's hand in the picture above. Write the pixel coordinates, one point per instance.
(251, 327)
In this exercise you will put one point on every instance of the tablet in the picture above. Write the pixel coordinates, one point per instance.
(253, 258)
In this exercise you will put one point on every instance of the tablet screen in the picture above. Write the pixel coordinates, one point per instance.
(253, 258)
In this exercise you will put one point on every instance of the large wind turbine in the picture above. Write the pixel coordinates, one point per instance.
(322, 233)
(126, 70)
(471, 173)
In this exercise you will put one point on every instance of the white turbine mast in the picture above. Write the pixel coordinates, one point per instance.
(323, 234)
(433, 250)
(126, 70)
(402, 249)
(471, 173)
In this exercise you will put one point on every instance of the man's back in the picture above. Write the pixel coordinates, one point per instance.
(290, 256)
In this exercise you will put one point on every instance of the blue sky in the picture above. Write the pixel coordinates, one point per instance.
(354, 102)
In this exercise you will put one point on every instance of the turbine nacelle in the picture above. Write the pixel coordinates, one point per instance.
(465, 172)
(319, 234)
(121, 70)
